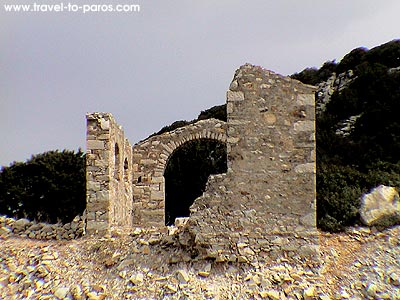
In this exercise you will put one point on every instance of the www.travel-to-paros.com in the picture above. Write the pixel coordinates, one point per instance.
(70, 7)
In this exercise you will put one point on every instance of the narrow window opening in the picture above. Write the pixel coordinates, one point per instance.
(126, 170)
(117, 162)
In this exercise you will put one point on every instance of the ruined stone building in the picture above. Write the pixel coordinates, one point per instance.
(267, 197)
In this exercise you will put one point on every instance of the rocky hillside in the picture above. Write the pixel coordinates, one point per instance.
(358, 98)
(358, 130)
(145, 264)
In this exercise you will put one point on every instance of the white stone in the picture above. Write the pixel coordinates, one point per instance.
(305, 168)
(93, 226)
(239, 122)
(234, 96)
(181, 221)
(182, 276)
(305, 99)
(232, 140)
(157, 195)
(309, 251)
(105, 124)
(137, 278)
(234, 85)
(61, 293)
(21, 224)
(148, 161)
(380, 207)
(157, 179)
(229, 107)
(101, 163)
(304, 126)
(95, 145)
(309, 293)
(102, 196)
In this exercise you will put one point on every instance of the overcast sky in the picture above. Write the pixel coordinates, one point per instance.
(167, 62)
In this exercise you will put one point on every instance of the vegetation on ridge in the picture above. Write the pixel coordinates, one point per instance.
(348, 166)
(217, 112)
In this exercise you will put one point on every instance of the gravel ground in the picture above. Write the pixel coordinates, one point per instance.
(358, 264)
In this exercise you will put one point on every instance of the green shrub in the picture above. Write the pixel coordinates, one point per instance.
(50, 187)
(339, 189)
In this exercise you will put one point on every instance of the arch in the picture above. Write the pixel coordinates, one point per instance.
(151, 157)
(170, 152)
(186, 174)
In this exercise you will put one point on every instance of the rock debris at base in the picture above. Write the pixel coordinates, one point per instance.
(358, 264)
(41, 231)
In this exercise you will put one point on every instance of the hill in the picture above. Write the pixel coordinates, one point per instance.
(358, 129)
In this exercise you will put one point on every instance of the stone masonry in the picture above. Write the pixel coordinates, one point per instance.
(150, 159)
(266, 202)
(108, 175)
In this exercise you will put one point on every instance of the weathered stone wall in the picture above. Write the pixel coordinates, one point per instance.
(108, 175)
(264, 204)
(150, 159)
(41, 231)
(267, 201)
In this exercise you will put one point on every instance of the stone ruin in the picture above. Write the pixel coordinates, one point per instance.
(266, 202)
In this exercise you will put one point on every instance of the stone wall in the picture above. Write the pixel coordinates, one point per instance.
(267, 201)
(108, 175)
(41, 231)
(150, 159)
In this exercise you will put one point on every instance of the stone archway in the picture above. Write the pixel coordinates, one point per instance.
(150, 159)
(187, 172)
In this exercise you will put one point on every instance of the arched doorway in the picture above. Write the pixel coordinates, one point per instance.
(186, 174)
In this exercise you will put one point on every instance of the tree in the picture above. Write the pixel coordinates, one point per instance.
(351, 60)
(50, 187)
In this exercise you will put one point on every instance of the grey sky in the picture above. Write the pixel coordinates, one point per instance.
(168, 62)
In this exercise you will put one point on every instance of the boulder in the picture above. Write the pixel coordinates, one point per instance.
(21, 224)
(5, 231)
(380, 207)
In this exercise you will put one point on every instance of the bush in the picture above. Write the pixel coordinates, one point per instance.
(314, 76)
(339, 189)
(351, 60)
(217, 112)
(50, 187)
